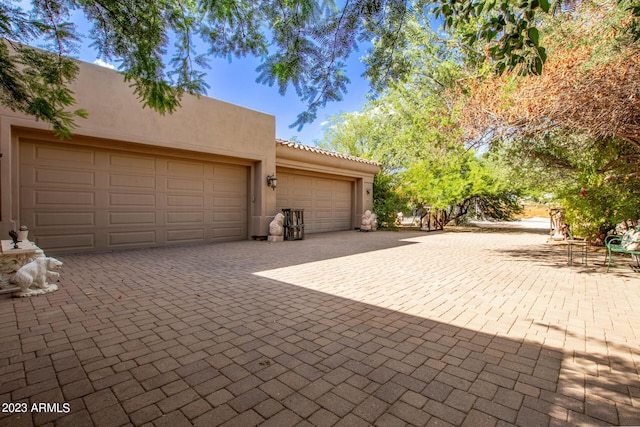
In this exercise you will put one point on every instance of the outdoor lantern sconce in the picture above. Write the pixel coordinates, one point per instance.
(272, 181)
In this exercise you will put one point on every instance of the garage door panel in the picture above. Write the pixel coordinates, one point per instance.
(228, 203)
(191, 185)
(227, 173)
(185, 235)
(64, 219)
(228, 217)
(229, 187)
(324, 216)
(73, 242)
(321, 226)
(146, 238)
(307, 205)
(302, 191)
(174, 218)
(174, 201)
(130, 162)
(56, 198)
(71, 156)
(60, 176)
(132, 218)
(324, 204)
(183, 168)
(324, 200)
(225, 233)
(85, 198)
(132, 181)
(301, 185)
(343, 224)
(131, 199)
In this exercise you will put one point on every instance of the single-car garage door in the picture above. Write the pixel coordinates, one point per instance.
(326, 202)
(84, 198)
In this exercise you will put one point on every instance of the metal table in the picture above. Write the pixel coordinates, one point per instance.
(581, 245)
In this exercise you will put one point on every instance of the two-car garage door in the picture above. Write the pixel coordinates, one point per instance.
(83, 198)
(327, 202)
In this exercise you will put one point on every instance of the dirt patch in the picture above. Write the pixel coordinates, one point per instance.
(534, 210)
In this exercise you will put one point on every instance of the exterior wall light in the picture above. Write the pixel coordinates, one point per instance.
(272, 181)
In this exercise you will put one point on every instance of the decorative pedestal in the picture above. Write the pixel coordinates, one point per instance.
(12, 260)
(293, 224)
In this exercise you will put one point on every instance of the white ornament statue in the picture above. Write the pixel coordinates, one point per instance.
(276, 228)
(32, 278)
(366, 224)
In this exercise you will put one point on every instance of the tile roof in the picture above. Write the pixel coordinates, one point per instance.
(325, 152)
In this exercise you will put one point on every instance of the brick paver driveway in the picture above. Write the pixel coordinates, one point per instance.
(451, 328)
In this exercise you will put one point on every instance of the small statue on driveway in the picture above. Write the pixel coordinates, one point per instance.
(367, 221)
(276, 228)
(32, 277)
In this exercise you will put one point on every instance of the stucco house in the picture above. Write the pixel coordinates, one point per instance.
(131, 178)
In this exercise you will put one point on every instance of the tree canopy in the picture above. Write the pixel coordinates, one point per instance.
(569, 136)
(591, 82)
(303, 44)
(573, 131)
(413, 130)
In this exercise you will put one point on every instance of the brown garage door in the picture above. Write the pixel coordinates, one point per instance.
(80, 198)
(326, 202)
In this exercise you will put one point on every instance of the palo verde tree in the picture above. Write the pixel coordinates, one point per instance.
(457, 183)
(303, 44)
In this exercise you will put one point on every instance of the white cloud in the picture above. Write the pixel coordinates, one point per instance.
(101, 63)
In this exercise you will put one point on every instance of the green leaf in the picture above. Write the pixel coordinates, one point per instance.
(545, 5)
(538, 66)
(534, 35)
(81, 112)
(542, 52)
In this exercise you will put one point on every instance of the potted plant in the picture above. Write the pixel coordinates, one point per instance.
(23, 232)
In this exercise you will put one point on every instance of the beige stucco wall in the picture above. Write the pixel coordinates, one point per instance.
(202, 125)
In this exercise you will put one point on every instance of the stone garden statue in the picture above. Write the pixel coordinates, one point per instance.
(276, 228)
(32, 278)
(367, 221)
